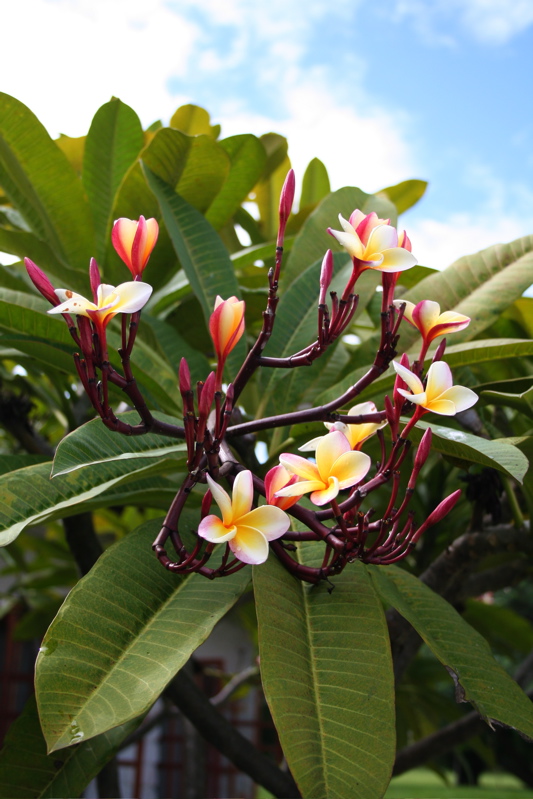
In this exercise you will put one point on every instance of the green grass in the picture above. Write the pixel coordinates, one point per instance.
(425, 784)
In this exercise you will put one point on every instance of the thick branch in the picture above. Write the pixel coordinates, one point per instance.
(217, 730)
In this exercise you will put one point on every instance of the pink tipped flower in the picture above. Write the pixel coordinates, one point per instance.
(226, 326)
(275, 479)
(41, 282)
(426, 316)
(246, 531)
(110, 300)
(134, 242)
(440, 395)
(373, 243)
(356, 434)
(337, 467)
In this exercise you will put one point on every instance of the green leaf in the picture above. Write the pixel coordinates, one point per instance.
(201, 253)
(28, 496)
(315, 183)
(113, 143)
(496, 454)
(27, 772)
(247, 162)
(523, 403)
(405, 194)
(481, 285)
(313, 240)
(27, 245)
(193, 120)
(122, 634)
(206, 169)
(41, 184)
(327, 676)
(94, 443)
(479, 679)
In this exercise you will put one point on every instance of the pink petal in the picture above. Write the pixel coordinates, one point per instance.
(426, 315)
(212, 529)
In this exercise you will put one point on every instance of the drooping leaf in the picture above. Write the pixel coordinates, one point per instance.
(479, 679)
(27, 772)
(520, 402)
(28, 496)
(122, 634)
(327, 675)
(41, 184)
(113, 143)
(494, 454)
(405, 194)
(93, 443)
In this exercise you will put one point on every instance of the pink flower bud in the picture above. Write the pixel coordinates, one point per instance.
(442, 510)
(206, 504)
(326, 273)
(423, 450)
(184, 376)
(94, 277)
(134, 242)
(287, 197)
(41, 282)
(206, 397)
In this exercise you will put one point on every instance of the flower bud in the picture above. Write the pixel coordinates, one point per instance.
(41, 282)
(275, 479)
(134, 242)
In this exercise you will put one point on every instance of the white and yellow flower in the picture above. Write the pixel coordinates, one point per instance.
(428, 319)
(373, 243)
(356, 434)
(337, 466)
(439, 395)
(246, 531)
(110, 300)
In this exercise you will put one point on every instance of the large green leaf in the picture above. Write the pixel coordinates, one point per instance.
(327, 675)
(194, 120)
(315, 183)
(481, 285)
(41, 184)
(26, 244)
(93, 443)
(464, 446)
(205, 172)
(521, 402)
(28, 496)
(247, 161)
(202, 255)
(122, 634)
(478, 677)
(27, 772)
(113, 143)
(313, 239)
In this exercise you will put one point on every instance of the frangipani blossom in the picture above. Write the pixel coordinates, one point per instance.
(226, 325)
(356, 434)
(110, 300)
(134, 242)
(337, 467)
(373, 243)
(426, 316)
(440, 395)
(246, 531)
(275, 479)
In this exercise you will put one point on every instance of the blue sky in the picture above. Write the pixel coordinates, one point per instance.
(434, 89)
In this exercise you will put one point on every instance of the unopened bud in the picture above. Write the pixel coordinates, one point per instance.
(423, 450)
(206, 397)
(442, 510)
(41, 282)
(94, 277)
(326, 273)
(286, 198)
(439, 352)
(184, 376)
(206, 504)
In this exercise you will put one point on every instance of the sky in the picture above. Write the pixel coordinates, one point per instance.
(434, 89)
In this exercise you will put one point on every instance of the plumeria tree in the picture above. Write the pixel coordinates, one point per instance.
(208, 372)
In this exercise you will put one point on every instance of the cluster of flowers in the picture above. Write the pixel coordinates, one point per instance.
(338, 465)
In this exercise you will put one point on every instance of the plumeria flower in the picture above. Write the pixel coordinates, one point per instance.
(275, 479)
(440, 395)
(426, 316)
(373, 243)
(110, 300)
(246, 531)
(356, 434)
(337, 467)
(134, 242)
